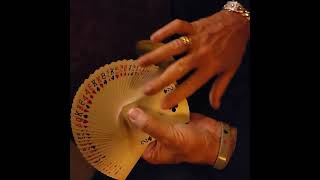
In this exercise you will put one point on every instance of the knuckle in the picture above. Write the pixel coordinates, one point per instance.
(177, 21)
(204, 51)
(180, 23)
(177, 44)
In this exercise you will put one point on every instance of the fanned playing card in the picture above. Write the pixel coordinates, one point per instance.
(100, 127)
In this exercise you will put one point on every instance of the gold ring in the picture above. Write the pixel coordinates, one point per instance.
(186, 40)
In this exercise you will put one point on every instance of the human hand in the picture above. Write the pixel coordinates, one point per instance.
(196, 142)
(218, 44)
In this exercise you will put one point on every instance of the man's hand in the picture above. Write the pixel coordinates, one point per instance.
(195, 142)
(218, 43)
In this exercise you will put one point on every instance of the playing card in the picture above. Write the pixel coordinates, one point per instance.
(99, 119)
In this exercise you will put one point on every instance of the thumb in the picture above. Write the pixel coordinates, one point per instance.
(162, 131)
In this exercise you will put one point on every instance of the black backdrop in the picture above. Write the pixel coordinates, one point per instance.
(105, 30)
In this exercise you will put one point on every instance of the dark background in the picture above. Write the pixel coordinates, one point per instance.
(283, 130)
(102, 31)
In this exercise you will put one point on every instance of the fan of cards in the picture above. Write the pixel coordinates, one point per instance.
(99, 123)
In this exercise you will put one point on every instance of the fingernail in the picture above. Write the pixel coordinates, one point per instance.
(136, 116)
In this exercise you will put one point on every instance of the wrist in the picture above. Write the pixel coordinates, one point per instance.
(236, 21)
(233, 142)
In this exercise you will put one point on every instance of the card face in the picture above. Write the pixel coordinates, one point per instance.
(105, 138)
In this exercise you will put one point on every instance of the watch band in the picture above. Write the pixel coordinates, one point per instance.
(234, 6)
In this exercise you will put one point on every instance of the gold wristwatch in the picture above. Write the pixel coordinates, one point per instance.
(234, 6)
